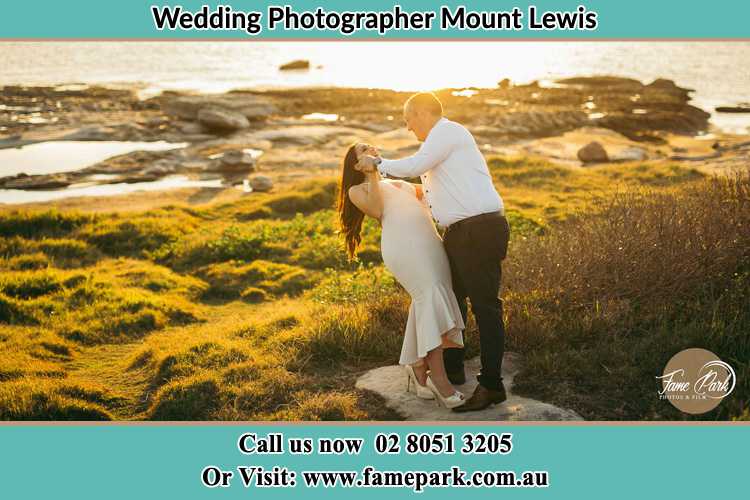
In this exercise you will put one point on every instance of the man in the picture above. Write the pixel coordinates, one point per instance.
(458, 188)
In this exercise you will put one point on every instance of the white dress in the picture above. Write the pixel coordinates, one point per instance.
(413, 252)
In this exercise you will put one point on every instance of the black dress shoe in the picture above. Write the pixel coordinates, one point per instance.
(482, 398)
(457, 378)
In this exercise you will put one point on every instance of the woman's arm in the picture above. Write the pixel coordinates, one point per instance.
(369, 199)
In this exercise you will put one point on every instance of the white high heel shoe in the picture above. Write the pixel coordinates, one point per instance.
(411, 379)
(452, 401)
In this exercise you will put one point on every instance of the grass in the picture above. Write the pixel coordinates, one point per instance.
(232, 279)
(548, 192)
(660, 272)
(251, 311)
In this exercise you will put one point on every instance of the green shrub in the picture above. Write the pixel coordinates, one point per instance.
(335, 406)
(600, 304)
(158, 279)
(235, 243)
(98, 312)
(57, 349)
(353, 334)
(314, 198)
(29, 262)
(365, 284)
(522, 226)
(36, 399)
(229, 279)
(207, 355)
(29, 285)
(46, 251)
(68, 252)
(133, 237)
(195, 398)
(273, 388)
(31, 224)
(254, 295)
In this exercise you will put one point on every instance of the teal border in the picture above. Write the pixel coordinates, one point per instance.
(132, 20)
(165, 461)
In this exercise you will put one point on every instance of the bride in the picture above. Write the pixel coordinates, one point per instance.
(413, 252)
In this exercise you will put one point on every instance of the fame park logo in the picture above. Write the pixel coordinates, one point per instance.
(696, 380)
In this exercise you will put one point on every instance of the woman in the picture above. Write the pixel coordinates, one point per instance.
(413, 252)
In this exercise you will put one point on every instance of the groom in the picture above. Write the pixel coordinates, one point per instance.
(458, 189)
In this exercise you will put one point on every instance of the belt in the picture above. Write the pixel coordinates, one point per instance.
(473, 219)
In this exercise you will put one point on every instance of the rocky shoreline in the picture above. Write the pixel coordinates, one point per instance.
(238, 133)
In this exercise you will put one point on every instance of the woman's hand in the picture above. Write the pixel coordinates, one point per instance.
(367, 164)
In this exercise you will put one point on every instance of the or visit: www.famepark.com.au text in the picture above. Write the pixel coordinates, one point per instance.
(417, 480)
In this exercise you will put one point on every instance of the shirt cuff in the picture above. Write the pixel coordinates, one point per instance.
(380, 165)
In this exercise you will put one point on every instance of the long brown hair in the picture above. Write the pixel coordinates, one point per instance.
(350, 217)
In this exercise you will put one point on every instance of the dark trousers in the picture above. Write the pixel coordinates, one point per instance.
(476, 247)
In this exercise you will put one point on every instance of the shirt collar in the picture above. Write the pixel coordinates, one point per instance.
(442, 120)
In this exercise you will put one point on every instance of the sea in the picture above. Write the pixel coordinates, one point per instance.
(719, 72)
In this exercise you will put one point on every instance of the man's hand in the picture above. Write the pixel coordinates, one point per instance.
(366, 164)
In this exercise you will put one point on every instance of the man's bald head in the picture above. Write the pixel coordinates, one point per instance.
(421, 112)
(424, 102)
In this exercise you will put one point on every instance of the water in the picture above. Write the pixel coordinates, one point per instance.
(718, 71)
(67, 156)
(15, 196)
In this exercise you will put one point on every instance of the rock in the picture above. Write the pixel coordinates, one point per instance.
(486, 130)
(156, 121)
(611, 82)
(740, 108)
(304, 134)
(93, 133)
(131, 163)
(190, 128)
(237, 160)
(222, 119)
(252, 106)
(593, 152)
(711, 156)
(195, 138)
(131, 131)
(664, 84)
(161, 168)
(139, 177)
(185, 107)
(632, 153)
(256, 111)
(298, 64)
(30, 182)
(198, 166)
(261, 183)
(731, 147)
(687, 120)
(390, 383)
(526, 123)
(504, 83)
(238, 157)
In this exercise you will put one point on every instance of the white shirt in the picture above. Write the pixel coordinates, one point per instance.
(455, 178)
